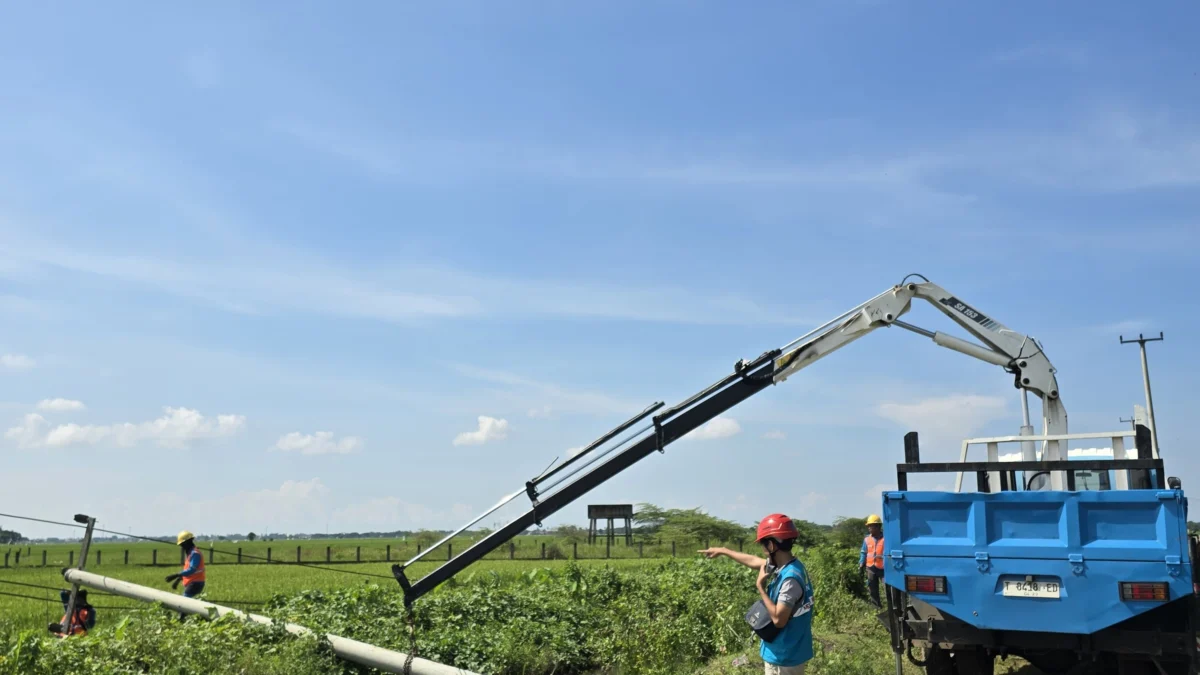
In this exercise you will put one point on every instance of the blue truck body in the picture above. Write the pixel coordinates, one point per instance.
(1088, 542)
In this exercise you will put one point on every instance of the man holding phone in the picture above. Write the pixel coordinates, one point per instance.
(786, 596)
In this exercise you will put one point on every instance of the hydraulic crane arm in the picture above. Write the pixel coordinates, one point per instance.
(1016, 353)
(555, 489)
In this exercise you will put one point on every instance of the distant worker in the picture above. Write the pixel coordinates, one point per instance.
(787, 600)
(870, 559)
(84, 618)
(192, 574)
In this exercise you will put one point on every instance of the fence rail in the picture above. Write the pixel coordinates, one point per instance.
(285, 552)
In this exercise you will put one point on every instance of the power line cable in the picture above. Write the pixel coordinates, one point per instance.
(246, 603)
(51, 600)
(214, 549)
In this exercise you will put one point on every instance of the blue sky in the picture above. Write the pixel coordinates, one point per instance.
(227, 230)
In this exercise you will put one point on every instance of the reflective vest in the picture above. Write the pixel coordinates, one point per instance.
(199, 575)
(76, 627)
(874, 551)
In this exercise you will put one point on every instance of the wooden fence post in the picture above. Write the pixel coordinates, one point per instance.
(639, 549)
(154, 558)
(126, 556)
(357, 554)
(212, 555)
(297, 554)
(268, 554)
(575, 550)
(6, 558)
(18, 564)
(388, 556)
(512, 550)
(328, 554)
(44, 557)
(449, 551)
(239, 555)
(97, 557)
(607, 547)
(707, 543)
(543, 550)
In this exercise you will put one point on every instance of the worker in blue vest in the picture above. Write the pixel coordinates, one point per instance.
(787, 597)
(870, 559)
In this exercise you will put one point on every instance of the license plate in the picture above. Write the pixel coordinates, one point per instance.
(1032, 589)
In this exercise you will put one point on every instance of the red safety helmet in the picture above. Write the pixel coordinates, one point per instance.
(776, 526)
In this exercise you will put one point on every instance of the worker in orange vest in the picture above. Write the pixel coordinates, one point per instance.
(83, 619)
(870, 560)
(192, 574)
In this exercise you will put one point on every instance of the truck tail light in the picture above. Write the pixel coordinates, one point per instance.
(920, 584)
(1141, 590)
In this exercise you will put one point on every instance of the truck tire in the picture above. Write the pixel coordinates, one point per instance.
(974, 662)
(938, 662)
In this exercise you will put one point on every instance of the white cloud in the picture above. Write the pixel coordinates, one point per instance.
(721, 427)
(319, 443)
(775, 435)
(953, 417)
(59, 405)
(490, 429)
(16, 362)
(175, 429)
(562, 400)
(385, 514)
(739, 505)
(875, 492)
(406, 294)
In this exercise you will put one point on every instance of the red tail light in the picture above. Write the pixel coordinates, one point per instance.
(919, 584)
(1138, 590)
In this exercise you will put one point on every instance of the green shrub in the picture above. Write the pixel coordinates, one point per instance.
(659, 619)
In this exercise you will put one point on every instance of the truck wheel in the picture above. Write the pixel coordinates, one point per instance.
(938, 662)
(975, 662)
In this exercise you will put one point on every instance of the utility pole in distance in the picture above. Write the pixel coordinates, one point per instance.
(1141, 341)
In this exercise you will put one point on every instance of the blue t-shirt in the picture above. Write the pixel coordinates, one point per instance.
(794, 644)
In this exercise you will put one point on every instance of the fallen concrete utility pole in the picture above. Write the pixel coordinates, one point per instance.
(351, 650)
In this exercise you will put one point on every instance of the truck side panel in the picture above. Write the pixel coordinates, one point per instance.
(1086, 542)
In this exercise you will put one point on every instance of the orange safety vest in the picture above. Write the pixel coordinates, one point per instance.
(199, 575)
(77, 626)
(874, 551)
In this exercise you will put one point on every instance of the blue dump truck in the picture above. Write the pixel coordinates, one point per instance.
(1081, 580)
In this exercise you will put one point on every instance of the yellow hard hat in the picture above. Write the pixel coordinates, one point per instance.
(184, 536)
(874, 520)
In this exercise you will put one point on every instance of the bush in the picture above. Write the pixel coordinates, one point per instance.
(659, 619)
(157, 642)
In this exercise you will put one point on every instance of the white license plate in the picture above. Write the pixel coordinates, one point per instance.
(1032, 589)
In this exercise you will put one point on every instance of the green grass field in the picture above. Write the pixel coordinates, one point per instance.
(255, 580)
(319, 551)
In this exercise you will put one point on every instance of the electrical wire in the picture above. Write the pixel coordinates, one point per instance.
(51, 600)
(214, 549)
(247, 603)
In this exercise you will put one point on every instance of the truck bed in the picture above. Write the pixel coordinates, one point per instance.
(1085, 542)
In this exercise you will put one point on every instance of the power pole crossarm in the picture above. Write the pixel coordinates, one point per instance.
(1141, 342)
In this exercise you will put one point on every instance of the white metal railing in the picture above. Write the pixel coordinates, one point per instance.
(1029, 453)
